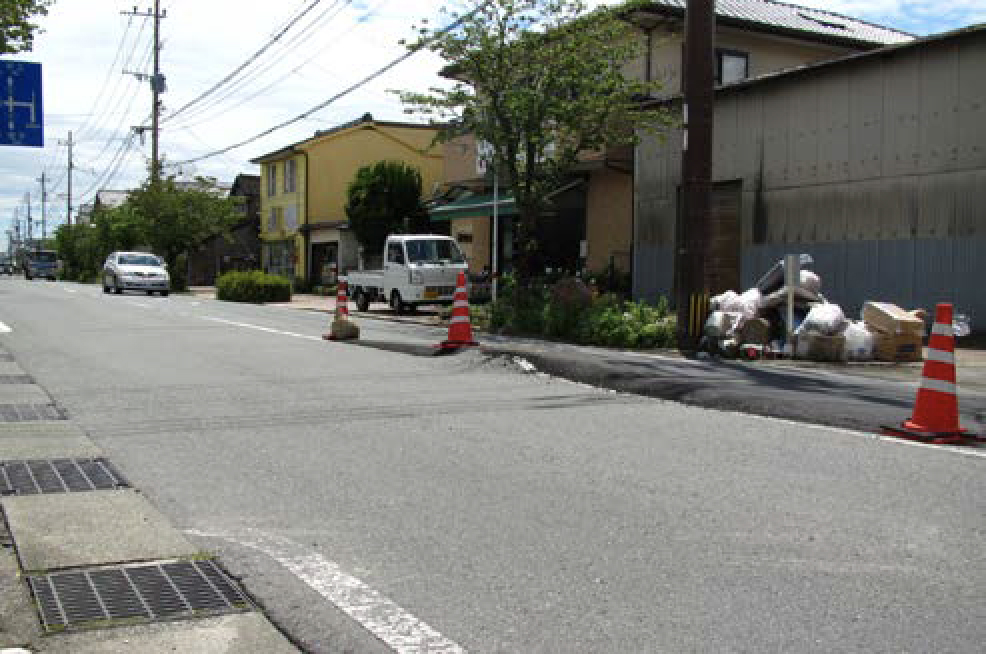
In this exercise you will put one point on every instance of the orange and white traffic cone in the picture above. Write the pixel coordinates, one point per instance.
(460, 327)
(936, 409)
(342, 328)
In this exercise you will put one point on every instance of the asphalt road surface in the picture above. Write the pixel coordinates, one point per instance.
(373, 500)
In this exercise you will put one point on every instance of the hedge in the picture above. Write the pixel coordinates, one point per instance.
(253, 286)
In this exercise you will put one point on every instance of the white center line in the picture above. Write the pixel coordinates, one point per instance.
(4, 329)
(269, 330)
(383, 618)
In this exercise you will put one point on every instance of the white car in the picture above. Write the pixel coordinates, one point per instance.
(135, 271)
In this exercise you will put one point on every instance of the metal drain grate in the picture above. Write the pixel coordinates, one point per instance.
(16, 379)
(135, 593)
(58, 476)
(30, 412)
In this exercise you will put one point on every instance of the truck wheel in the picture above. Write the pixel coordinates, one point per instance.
(362, 301)
(395, 302)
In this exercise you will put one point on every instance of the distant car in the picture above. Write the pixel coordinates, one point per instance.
(135, 271)
(6, 267)
(41, 263)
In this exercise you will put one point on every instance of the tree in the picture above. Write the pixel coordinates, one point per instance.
(385, 198)
(174, 220)
(16, 27)
(540, 81)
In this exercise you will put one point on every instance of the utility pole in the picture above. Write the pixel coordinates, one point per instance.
(44, 216)
(693, 236)
(68, 206)
(30, 223)
(158, 85)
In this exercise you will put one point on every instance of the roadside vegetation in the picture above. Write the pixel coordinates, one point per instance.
(569, 310)
(252, 286)
(161, 217)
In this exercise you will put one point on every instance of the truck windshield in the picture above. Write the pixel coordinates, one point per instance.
(43, 257)
(436, 250)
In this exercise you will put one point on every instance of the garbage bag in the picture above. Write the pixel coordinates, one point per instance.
(960, 325)
(860, 341)
(810, 281)
(721, 301)
(826, 319)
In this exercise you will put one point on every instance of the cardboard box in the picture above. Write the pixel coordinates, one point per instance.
(891, 319)
(819, 347)
(903, 346)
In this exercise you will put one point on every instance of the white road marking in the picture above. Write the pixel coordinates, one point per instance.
(69, 290)
(4, 329)
(387, 621)
(269, 330)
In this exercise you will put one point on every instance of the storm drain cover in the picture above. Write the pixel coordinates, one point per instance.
(16, 379)
(58, 476)
(29, 412)
(100, 597)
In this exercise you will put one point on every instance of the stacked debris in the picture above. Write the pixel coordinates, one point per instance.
(754, 324)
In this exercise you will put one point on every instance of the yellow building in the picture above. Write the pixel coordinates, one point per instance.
(304, 229)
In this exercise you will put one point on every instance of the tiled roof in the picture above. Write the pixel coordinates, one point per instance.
(788, 17)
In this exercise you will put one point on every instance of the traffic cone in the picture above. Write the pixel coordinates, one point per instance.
(342, 328)
(936, 409)
(459, 328)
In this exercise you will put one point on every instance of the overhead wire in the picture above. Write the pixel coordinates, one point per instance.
(331, 42)
(225, 80)
(372, 76)
(211, 109)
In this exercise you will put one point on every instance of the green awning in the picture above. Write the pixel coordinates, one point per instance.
(478, 205)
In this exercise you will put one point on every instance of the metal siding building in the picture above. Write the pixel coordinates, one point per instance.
(875, 164)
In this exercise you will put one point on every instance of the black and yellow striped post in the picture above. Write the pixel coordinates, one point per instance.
(698, 313)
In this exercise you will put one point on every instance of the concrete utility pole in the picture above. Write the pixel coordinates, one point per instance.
(44, 216)
(68, 201)
(157, 85)
(693, 235)
(30, 223)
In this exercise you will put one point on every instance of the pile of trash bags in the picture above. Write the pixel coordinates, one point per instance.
(753, 324)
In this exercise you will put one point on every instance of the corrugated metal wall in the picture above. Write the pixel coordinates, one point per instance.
(876, 166)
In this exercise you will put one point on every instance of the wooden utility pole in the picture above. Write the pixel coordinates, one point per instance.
(157, 85)
(693, 235)
(68, 201)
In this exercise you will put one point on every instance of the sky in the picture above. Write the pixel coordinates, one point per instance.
(87, 45)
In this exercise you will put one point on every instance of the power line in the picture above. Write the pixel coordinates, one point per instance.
(322, 105)
(249, 60)
(201, 114)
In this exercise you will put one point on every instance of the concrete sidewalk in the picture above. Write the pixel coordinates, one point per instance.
(85, 559)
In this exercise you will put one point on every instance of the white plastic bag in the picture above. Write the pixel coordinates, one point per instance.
(827, 319)
(722, 324)
(747, 304)
(860, 341)
(721, 301)
(810, 281)
(960, 325)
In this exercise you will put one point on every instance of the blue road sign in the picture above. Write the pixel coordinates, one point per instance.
(21, 117)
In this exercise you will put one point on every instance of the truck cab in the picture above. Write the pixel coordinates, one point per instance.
(417, 270)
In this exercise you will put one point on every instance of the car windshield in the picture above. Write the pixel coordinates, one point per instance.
(435, 250)
(44, 257)
(139, 260)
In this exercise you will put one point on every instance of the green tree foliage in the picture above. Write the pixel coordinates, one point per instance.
(160, 216)
(385, 198)
(17, 28)
(541, 81)
(176, 220)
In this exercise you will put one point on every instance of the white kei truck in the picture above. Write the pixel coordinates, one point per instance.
(417, 269)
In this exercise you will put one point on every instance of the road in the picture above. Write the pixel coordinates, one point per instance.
(365, 496)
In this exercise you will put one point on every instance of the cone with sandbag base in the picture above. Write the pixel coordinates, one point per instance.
(460, 327)
(342, 328)
(936, 409)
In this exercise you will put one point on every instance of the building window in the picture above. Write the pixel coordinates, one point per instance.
(272, 220)
(271, 179)
(731, 66)
(290, 167)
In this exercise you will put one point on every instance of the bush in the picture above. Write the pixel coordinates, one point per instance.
(567, 311)
(253, 286)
